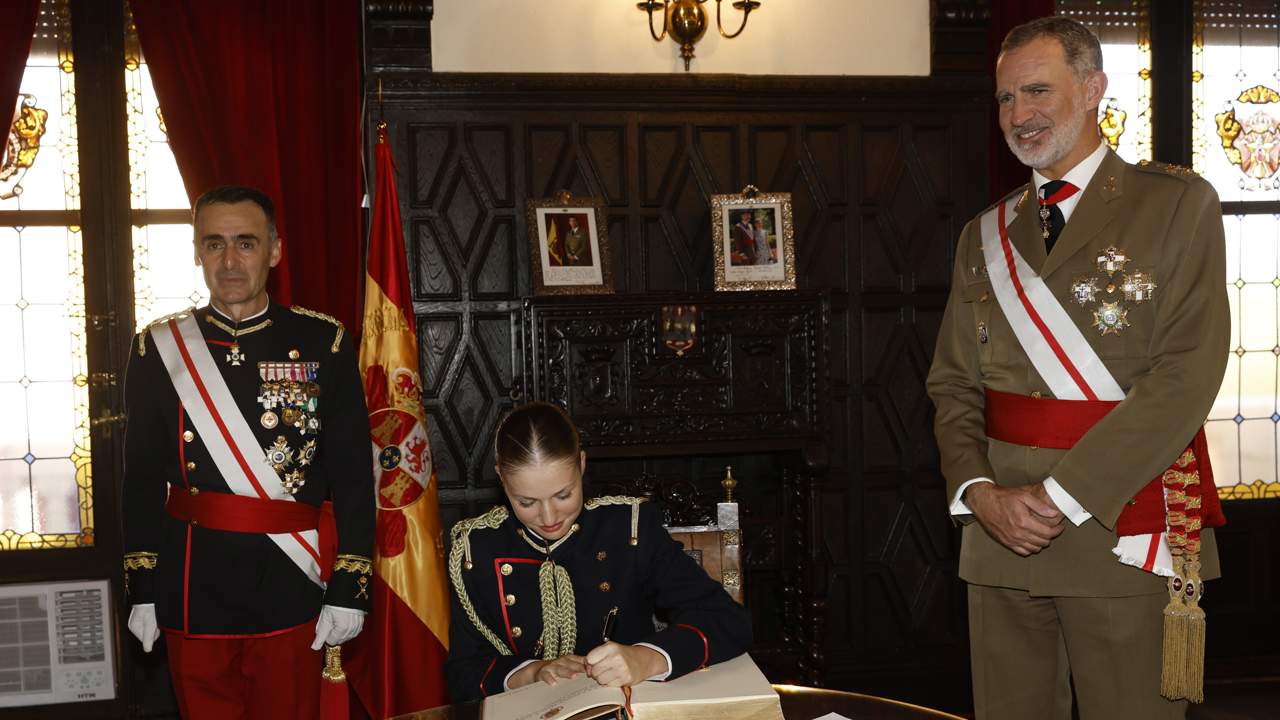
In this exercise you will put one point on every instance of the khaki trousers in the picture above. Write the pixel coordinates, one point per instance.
(1027, 652)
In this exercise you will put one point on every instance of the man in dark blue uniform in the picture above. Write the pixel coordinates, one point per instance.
(244, 417)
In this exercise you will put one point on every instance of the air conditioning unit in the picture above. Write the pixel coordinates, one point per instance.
(56, 643)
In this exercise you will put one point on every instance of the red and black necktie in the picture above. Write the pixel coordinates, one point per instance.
(1051, 218)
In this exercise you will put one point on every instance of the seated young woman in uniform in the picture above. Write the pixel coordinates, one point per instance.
(533, 583)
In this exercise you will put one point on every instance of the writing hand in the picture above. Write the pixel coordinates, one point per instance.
(615, 665)
(1023, 519)
(565, 667)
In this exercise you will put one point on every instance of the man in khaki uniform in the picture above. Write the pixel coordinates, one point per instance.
(1136, 259)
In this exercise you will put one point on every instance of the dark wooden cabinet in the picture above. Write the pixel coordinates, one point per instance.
(753, 378)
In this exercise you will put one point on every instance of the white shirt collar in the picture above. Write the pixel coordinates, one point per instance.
(1080, 176)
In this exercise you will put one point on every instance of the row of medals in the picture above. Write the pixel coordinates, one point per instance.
(1111, 316)
(289, 394)
(284, 458)
(1111, 288)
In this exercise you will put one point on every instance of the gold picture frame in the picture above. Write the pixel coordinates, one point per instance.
(753, 239)
(569, 246)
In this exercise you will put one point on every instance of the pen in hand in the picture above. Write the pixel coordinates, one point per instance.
(610, 619)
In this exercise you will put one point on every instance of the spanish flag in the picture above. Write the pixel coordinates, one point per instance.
(553, 244)
(396, 665)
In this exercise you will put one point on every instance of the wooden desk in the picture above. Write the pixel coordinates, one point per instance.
(798, 703)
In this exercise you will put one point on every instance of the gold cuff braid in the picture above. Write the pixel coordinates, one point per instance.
(140, 561)
(353, 563)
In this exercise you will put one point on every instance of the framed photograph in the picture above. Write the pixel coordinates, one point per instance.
(569, 246)
(754, 241)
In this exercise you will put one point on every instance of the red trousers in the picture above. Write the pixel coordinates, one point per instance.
(272, 678)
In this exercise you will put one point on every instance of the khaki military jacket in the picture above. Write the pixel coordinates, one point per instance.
(1169, 361)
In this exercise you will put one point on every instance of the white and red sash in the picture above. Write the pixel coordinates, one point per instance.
(1059, 352)
(227, 435)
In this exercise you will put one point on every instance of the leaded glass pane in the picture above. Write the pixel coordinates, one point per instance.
(1123, 27)
(165, 277)
(1244, 423)
(46, 495)
(1236, 98)
(44, 172)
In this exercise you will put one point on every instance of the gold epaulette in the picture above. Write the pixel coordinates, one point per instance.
(634, 502)
(460, 553)
(321, 316)
(142, 336)
(1178, 171)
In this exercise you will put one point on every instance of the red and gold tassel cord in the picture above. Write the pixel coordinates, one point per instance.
(1182, 671)
(334, 700)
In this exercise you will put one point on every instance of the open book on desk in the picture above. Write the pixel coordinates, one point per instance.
(735, 688)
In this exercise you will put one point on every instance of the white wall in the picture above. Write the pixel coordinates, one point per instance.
(783, 37)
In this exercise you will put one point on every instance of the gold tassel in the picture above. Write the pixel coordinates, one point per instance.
(333, 671)
(1173, 664)
(1194, 674)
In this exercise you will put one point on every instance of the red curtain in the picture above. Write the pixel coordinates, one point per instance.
(268, 94)
(1006, 172)
(15, 46)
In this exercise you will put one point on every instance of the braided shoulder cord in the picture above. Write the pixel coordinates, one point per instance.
(634, 502)
(462, 547)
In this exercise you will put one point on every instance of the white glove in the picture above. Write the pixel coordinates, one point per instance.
(337, 625)
(142, 623)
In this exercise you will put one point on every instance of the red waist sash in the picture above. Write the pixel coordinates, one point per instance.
(238, 513)
(1059, 425)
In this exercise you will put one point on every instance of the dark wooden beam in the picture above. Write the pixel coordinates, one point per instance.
(1171, 29)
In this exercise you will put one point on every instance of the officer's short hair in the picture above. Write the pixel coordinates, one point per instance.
(535, 434)
(1080, 46)
(231, 194)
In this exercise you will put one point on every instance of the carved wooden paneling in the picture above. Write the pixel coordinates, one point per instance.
(850, 555)
(753, 377)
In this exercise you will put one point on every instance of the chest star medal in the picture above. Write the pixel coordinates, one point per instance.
(1085, 290)
(1110, 318)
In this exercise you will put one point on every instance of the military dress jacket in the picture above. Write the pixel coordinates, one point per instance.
(1169, 361)
(507, 609)
(217, 583)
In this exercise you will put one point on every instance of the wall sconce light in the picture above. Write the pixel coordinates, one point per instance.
(686, 21)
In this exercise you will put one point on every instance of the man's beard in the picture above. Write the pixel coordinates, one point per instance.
(1064, 137)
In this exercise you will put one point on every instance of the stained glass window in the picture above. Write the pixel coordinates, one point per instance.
(165, 278)
(46, 491)
(1123, 27)
(1236, 146)
(1236, 99)
(46, 488)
